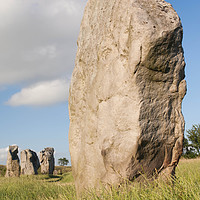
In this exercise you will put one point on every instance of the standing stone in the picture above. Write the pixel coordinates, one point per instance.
(47, 160)
(29, 162)
(126, 92)
(12, 167)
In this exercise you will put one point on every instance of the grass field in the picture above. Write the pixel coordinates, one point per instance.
(41, 187)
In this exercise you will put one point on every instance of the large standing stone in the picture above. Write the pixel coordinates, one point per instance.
(29, 162)
(47, 160)
(126, 92)
(12, 167)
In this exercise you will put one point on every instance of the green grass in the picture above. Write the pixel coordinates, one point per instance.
(36, 187)
(2, 170)
(41, 187)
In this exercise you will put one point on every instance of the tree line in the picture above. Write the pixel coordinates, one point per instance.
(63, 161)
(191, 144)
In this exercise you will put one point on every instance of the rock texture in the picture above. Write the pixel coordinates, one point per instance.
(12, 167)
(29, 162)
(126, 92)
(47, 160)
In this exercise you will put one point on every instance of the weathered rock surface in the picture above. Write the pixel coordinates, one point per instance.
(126, 92)
(47, 160)
(12, 166)
(29, 162)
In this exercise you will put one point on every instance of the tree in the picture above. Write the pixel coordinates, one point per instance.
(191, 146)
(188, 150)
(63, 161)
(193, 135)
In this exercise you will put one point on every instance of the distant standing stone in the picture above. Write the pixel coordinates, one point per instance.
(47, 160)
(29, 162)
(13, 168)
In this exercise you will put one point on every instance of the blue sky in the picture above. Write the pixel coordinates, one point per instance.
(37, 53)
(190, 17)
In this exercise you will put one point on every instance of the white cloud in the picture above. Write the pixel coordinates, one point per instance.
(3, 155)
(41, 94)
(49, 51)
(38, 39)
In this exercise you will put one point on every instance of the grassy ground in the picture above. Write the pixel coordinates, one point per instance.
(41, 187)
(2, 170)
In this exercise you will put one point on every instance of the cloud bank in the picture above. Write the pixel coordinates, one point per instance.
(40, 94)
(38, 43)
(3, 155)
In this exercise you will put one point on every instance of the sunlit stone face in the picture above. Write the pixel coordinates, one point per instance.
(126, 93)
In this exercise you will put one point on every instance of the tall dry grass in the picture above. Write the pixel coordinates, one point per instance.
(185, 187)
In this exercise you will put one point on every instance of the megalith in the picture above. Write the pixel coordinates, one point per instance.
(29, 162)
(12, 166)
(47, 160)
(126, 93)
